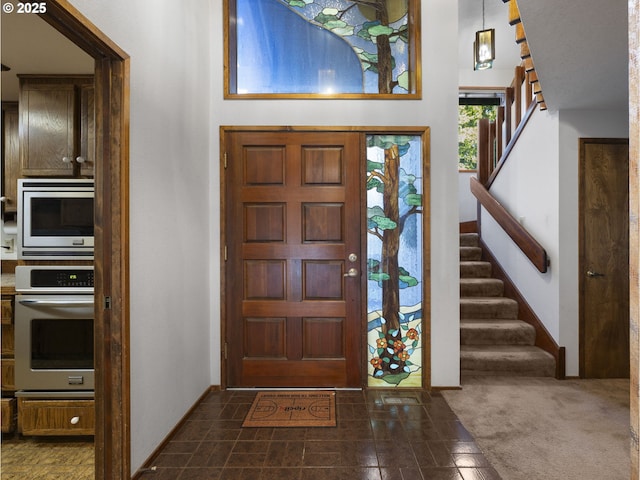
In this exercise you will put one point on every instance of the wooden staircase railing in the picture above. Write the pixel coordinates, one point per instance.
(523, 239)
(496, 141)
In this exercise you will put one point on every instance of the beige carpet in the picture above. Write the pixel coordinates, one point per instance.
(545, 429)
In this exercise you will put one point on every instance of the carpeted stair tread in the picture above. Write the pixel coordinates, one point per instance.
(470, 253)
(493, 341)
(469, 240)
(481, 287)
(475, 269)
(496, 332)
(488, 307)
(516, 360)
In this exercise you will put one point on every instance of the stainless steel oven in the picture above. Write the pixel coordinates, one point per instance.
(54, 313)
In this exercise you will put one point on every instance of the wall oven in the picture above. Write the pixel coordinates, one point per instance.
(54, 329)
(55, 219)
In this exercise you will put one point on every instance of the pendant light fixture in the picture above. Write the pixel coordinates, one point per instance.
(484, 48)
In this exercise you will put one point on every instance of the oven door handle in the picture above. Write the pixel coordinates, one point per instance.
(56, 303)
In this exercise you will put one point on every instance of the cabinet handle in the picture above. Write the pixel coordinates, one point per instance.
(80, 159)
(74, 420)
(66, 159)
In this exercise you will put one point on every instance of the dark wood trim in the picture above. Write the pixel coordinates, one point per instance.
(112, 436)
(529, 246)
(508, 115)
(634, 229)
(148, 466)
(544, 340)
(469, 227)
(484, 149)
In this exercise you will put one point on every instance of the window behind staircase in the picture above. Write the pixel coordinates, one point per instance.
(472, 106)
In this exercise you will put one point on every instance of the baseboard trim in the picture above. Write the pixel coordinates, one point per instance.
(148, 466)
(544, 340)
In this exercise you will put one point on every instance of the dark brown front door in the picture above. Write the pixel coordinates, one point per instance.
(293, 234)
(604, 258)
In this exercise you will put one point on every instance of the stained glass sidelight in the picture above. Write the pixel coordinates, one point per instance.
(394, 260)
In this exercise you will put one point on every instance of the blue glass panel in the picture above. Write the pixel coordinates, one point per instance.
(394, 260)
(278, 51)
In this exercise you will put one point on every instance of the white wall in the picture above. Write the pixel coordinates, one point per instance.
(176, 110)
(576, 124)
(501, 75)
(170, 168)
(507, 51)
(467, 202)
(539, 186)
(527, 187)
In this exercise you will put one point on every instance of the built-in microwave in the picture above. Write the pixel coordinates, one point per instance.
(55, 219)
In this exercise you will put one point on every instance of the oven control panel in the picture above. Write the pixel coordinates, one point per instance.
(52, 279)
(62, 278)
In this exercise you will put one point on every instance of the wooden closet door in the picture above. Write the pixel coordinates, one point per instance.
(604, 258)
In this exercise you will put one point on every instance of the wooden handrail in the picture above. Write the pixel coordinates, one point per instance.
(529, 246)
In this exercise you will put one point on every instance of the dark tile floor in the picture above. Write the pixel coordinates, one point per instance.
(380, 435)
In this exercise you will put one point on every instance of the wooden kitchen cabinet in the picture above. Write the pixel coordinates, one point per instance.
(7, 362)
(56, 417)
(57, 126)
(7, 365)
(8, 414)
(10, 156)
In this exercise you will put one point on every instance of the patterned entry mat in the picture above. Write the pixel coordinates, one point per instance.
(292, 409)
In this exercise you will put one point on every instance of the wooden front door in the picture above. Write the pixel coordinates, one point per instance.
(293, 259)
(604, 258)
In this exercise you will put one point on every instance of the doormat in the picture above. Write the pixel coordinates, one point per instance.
(292, 409)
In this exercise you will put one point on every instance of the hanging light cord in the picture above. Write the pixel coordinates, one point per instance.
(482, 14)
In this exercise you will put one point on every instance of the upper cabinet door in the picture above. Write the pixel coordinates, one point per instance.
(56, 126)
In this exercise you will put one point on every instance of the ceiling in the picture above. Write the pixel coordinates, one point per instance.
(580, 51)
(30, 45)
(579, 48)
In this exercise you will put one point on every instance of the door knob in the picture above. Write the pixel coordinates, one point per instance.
(594, 274)
(351, 273)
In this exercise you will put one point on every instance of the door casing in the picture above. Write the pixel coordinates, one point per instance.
(111, 260)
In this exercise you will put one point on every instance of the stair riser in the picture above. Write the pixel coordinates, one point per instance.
(482, 289)
(498, 366)
(488, 336)
(469, 309)
(469, 240)
(475, 270)
(470, 254)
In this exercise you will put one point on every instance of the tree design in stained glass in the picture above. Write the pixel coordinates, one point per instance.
(394, 260)
(321, 47)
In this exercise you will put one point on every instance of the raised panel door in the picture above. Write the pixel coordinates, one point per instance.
(292, 214)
